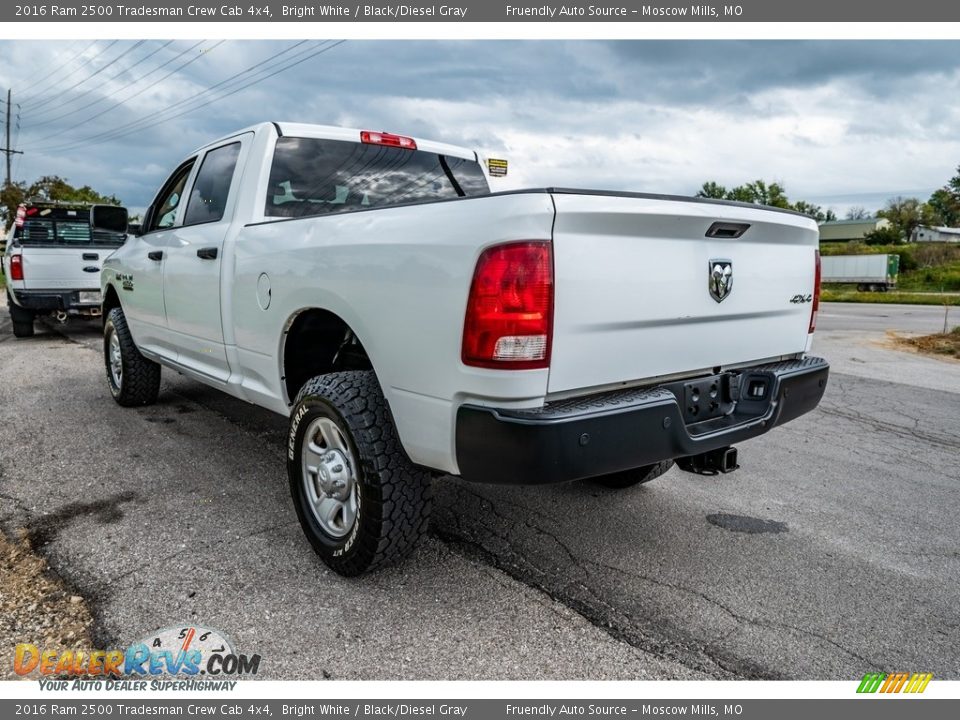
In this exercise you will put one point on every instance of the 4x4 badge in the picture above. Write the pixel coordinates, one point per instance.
(720, 273)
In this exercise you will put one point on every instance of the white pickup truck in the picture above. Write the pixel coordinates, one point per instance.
(52, 263)
(410, 322)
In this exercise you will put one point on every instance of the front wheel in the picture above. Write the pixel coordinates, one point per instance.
(637, 476)
(133, 379)
(360, 500)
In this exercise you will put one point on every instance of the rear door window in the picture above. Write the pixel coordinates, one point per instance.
(312, 176)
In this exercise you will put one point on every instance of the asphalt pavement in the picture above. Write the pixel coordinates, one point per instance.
(833, 551)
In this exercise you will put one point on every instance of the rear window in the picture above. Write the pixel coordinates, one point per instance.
(311, 176)
(64, 227)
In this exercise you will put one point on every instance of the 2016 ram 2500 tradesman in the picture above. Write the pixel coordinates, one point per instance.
(409, 321)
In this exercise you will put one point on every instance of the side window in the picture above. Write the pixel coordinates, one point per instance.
(169, 198)
(208, 199)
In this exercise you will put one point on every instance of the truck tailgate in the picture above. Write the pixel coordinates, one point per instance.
(633, 287)
(47, 268)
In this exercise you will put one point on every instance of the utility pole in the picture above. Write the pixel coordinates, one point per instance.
(9, 150)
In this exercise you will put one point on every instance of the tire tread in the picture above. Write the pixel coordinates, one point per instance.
(403, 492)
(141, 377)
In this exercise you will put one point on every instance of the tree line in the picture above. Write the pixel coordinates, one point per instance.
(47, 188)
(905, 215)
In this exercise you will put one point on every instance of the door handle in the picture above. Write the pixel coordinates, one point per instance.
(155, 255)
(207, 253)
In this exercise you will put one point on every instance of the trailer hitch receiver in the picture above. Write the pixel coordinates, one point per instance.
(714, 462)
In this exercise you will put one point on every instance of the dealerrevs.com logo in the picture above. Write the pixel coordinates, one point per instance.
(172, 658)
(887, 683)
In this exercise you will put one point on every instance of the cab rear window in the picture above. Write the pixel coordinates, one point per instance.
(66, 232)
(311, 176)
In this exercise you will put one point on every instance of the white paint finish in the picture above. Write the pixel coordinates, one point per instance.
(632, 298)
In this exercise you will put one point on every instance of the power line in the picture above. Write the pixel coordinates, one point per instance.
(100, 99)
(147, 87)
(8, 150)
(206, 91)
(56, 66)
(89, 77)
(226, 95)
(30, 99)
(164, 115)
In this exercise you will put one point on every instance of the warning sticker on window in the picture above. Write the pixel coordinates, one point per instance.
(497, 168)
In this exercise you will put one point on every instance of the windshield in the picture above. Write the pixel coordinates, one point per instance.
(311, 176)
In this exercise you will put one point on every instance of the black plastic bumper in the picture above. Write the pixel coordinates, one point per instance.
(51, 300)
(601, 434)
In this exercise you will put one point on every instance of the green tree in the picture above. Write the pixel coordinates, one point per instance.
(48, 187)
(887, 235)
(814, 211)
(712, 190)
(759, 192)
(906, 215)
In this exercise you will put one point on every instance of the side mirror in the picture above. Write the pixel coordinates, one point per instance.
(109, 217)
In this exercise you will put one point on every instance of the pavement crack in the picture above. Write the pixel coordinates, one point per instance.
(738, 617)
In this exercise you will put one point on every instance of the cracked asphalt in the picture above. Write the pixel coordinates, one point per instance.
(833, 551)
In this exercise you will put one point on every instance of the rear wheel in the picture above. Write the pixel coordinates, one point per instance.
(133, 379)
(637, 476)
(21, 318)
(359, 499)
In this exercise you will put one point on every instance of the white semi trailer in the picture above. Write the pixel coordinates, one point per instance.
(869, 272)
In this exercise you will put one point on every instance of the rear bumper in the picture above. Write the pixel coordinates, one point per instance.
(601, 434)
(54, 300)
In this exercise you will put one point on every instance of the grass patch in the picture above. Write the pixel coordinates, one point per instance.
(940, 344)
(828, 294)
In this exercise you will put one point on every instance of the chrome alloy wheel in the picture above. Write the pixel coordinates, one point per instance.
(116, 359)
(329, 473)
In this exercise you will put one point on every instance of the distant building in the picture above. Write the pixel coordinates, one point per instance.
(847, 230)
(935, 234)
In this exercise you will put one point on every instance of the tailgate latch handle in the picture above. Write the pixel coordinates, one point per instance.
(727, 230)
(155, 255)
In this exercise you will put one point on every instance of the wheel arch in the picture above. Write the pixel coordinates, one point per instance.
(111, 300)
(317, 341)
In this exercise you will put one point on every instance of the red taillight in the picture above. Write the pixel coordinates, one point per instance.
(509, 322)
(381, 138)
(16, 267)
(816, 292)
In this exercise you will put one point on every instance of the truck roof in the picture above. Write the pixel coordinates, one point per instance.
(335, 132)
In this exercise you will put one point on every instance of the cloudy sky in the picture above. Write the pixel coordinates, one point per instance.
(839, 123)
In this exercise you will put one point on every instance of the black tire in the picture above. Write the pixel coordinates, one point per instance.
(138, 382)
(637, 476)
(22, 329)
(392, 497)
(21, 318)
